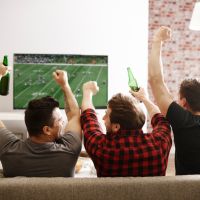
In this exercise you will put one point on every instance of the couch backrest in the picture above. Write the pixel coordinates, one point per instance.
(146, 188)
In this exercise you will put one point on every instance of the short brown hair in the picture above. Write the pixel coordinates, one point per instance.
(190, 90)
(126, 111)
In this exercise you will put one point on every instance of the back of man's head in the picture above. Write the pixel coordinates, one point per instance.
(126, 111)
(39, 114)
(190, 90)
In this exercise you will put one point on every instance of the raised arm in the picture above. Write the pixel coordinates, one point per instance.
(3, 70)
(71, 106)
(152, 109)
(89, 89)
(155, 70)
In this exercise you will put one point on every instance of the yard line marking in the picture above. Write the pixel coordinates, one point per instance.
(24, 90)
(99, 73)
(74, 70)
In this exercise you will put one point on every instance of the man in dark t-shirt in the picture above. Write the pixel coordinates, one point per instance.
(52, 148)
(184, 115)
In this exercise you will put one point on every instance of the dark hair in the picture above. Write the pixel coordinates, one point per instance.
(190, 90)
(39, 113)
(126, 111)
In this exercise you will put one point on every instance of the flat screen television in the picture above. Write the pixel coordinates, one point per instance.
(33, 77)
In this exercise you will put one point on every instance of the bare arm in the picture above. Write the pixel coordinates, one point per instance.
(71, 106)
(89, 89)
(152, 109)
(155, 71)
(2, 124)
(3, 70)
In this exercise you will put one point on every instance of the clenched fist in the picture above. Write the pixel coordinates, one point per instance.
(162, 34)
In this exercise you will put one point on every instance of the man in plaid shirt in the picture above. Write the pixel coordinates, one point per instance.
(125, 150)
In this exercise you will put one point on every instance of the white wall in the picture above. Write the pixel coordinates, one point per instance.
(117, 28)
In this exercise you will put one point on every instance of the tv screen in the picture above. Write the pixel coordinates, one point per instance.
(33, 77)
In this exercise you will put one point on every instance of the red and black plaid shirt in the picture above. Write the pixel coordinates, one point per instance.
(128, 152)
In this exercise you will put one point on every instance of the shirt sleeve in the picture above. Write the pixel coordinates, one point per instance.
(6, 138)
(72, 141)
(161, 128)
(93, 134)
(181, 118)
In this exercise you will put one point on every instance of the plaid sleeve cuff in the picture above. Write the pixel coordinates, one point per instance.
(157, 118)
(88, 114)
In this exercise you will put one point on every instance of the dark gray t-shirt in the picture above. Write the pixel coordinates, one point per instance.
(26, 158)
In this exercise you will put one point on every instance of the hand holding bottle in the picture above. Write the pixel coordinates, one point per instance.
(3, 70)
(142, 97)
(140, 94)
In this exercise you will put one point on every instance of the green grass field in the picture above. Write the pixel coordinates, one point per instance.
(35, 80)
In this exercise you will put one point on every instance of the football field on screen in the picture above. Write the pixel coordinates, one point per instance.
(35, 81)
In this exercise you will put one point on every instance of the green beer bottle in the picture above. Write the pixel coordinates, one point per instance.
(4, 84)
(132, 82)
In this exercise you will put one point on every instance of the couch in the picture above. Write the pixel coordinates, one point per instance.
(136, 188)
